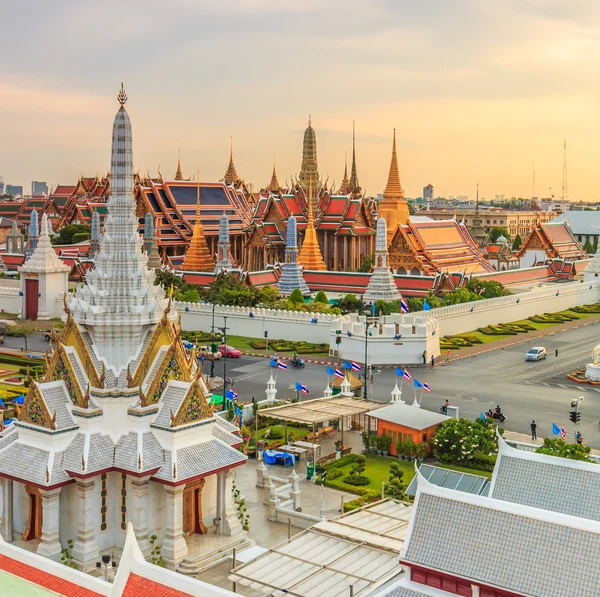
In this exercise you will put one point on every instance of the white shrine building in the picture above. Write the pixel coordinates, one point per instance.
(120, 429)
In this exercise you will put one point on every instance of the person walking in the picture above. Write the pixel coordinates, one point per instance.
(533, 430)
(447, 355)
(425, 357)
(579, 438)
(432, 361)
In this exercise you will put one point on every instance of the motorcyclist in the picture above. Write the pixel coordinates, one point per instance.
(445, 406)
(294, 359)
(498, 410)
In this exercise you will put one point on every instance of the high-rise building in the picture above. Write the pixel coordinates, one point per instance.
(1, 186)
(14, 190)
(428, 192)
(39, 187)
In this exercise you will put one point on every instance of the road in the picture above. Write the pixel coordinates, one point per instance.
(525, 390)
(35, 343)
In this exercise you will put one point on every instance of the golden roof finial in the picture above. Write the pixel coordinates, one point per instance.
(309, 120)
(393, 188)
(178, 174)
(122, 96)
(198, 198)
(274, 185)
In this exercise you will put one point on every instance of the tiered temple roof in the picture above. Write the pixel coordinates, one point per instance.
(555, 239)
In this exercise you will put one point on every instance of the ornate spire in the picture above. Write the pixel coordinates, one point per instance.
(178, 174)
(291, 271)
(345, 186)
(393, 207)
(354, 185)
(44, 257)
(231, 176)
(198, 257)
(477, 230)
(309, 171)
(154, 260)
(310, 254)
(223, 261)
(274, 185)
(122, 96)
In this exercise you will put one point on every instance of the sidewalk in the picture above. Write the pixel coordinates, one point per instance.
(529, 337)
(526, 439)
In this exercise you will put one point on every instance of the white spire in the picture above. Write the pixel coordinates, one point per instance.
(271, 390)
(44, 257)
(328, 392)
(397, 394)
(345, 387)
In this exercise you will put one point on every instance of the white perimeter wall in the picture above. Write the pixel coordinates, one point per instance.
(281, 325)
(10, 301)
(457, 319)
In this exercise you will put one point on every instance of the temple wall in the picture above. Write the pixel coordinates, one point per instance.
(390, 343)
(20, 509)
(253, 322)
(157, 516)
(457, 319)
(10, 301)
(68, 514)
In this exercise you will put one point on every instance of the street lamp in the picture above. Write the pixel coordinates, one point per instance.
(213, 344)
(224, 330)
(367, 334)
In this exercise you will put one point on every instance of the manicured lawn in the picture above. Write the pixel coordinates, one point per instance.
(377, 468)
(485, 338)
(470, 471)
(243, 343)
(297, 432)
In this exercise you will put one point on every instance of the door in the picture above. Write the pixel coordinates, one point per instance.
(34, 517)
(31, 298)
(192, 509)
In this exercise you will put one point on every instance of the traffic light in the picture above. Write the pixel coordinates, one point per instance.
(574, 416)
(556, 352)
(266, 333)
(338, 339)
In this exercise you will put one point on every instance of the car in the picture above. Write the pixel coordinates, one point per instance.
(46, 335)
(206, 352)
(230, 351)
(537, 353)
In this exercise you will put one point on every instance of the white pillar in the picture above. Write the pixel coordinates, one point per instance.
(231, 524)
(50, 544)
(85, 549)
(174, 547)
(139, 512)
(6, 509)
(221, 498)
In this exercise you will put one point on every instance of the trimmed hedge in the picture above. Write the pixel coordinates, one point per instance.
(586, 309)
(341, 462)
(356, 480)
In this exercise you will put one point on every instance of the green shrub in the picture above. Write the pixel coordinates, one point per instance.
(557, 447)
(276, 432)
(297, 296)
(357, 480)
(321, 297)
(459, 440)
(341, 462)
(335, 473)
(472, 339)
(258, 344)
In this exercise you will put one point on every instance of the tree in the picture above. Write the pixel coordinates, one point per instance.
(595, 243)
(486, 289)
(517, 243)
(460, 440)
(268, 296)
(24, 329)
(191, 295)
(496, 233)
(461, 295)
(557, 447)
(321, 298)
(297, 296)
(588, 247)
(66, 234)
(351, 304)
(395, 488)
(367, 263)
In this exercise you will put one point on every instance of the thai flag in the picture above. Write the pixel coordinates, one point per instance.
(563, 433)
(426, 387)
(339, 374)
(403, 306)
(301, 388)
(407, 375)
(231, 395)
(355, 366)
(282, 365)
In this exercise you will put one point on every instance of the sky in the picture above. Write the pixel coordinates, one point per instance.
(476, 90)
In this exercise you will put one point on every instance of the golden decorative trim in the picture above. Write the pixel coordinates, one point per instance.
(56, 371)
(194, 407)
(35, 410)
(78, 343)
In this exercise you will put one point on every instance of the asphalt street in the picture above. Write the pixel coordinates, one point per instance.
(525, 390)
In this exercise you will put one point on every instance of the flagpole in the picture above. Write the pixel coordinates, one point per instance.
(402, 382)
(415, 391)
(421, 397)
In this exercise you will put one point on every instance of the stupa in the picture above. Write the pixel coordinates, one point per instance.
(95, 234)
(197, 257)
(310, 254)
(223, 261)
(33, 234)
(154, 261)
(120, 429)
(382, 286)
(291, 271)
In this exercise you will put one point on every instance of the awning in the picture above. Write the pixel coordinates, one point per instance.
(320, 409)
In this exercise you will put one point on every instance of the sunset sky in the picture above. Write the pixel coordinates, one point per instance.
(477, 90)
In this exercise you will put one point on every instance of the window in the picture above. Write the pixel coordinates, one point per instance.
(494, 221)
(104, 501)
(123, 501)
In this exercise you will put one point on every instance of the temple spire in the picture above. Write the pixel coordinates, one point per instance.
(178, 174)
(197, 257)
(231, 176)
(354, 185)
(309, 171)
(274, 185)
(345, 186)
(310, 254)
(393, 207)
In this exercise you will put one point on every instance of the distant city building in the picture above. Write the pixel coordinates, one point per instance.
(553, 204)
(14, 190)
(1, 186)
(39, 187)
(585, 225)
(499, 198)
(516, 222)
(428, 192)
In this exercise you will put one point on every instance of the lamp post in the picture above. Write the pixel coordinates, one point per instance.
(224, 330)
(365, 392)
(213, 344)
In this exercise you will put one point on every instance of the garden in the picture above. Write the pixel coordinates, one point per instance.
(501, 331)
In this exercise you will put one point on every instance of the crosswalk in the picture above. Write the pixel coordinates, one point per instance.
(565, 386)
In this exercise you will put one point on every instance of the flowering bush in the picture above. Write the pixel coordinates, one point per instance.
(461, 441)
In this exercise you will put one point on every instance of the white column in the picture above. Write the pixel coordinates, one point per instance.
(139, 512)
(85, 550)
(221, 498)
(231, 524)
(6, 509)
(50, 545)
(174, 547)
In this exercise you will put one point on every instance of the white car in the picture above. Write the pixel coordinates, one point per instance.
(537, 353)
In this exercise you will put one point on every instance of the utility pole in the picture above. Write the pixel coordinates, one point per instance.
(365, 391)
(564, 194)
(575, 415)
(213, 346)
(224, 330)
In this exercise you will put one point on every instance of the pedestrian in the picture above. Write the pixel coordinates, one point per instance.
(533, 430)
(447, 355)
(579, 438)
(432, 361)
(425, 357)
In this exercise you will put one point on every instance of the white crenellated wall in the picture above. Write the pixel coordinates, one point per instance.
(401, 342)
(457, 319)
(284, 325)
(10, 300)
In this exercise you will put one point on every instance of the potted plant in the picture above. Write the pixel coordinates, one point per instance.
(400, 449)
(373, 443)
(379, 445)
(385, 445)
(408, 449)
(365, 440)
(420, 451)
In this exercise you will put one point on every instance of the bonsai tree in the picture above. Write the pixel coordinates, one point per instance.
(297, 297)
(321, 297)
(365, 440)
(395, 487)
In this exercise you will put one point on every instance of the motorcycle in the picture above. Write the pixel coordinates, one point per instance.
(498, 416)
(297, 363)
(444, 409)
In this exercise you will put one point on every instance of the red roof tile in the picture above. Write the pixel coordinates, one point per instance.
(138, 586)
